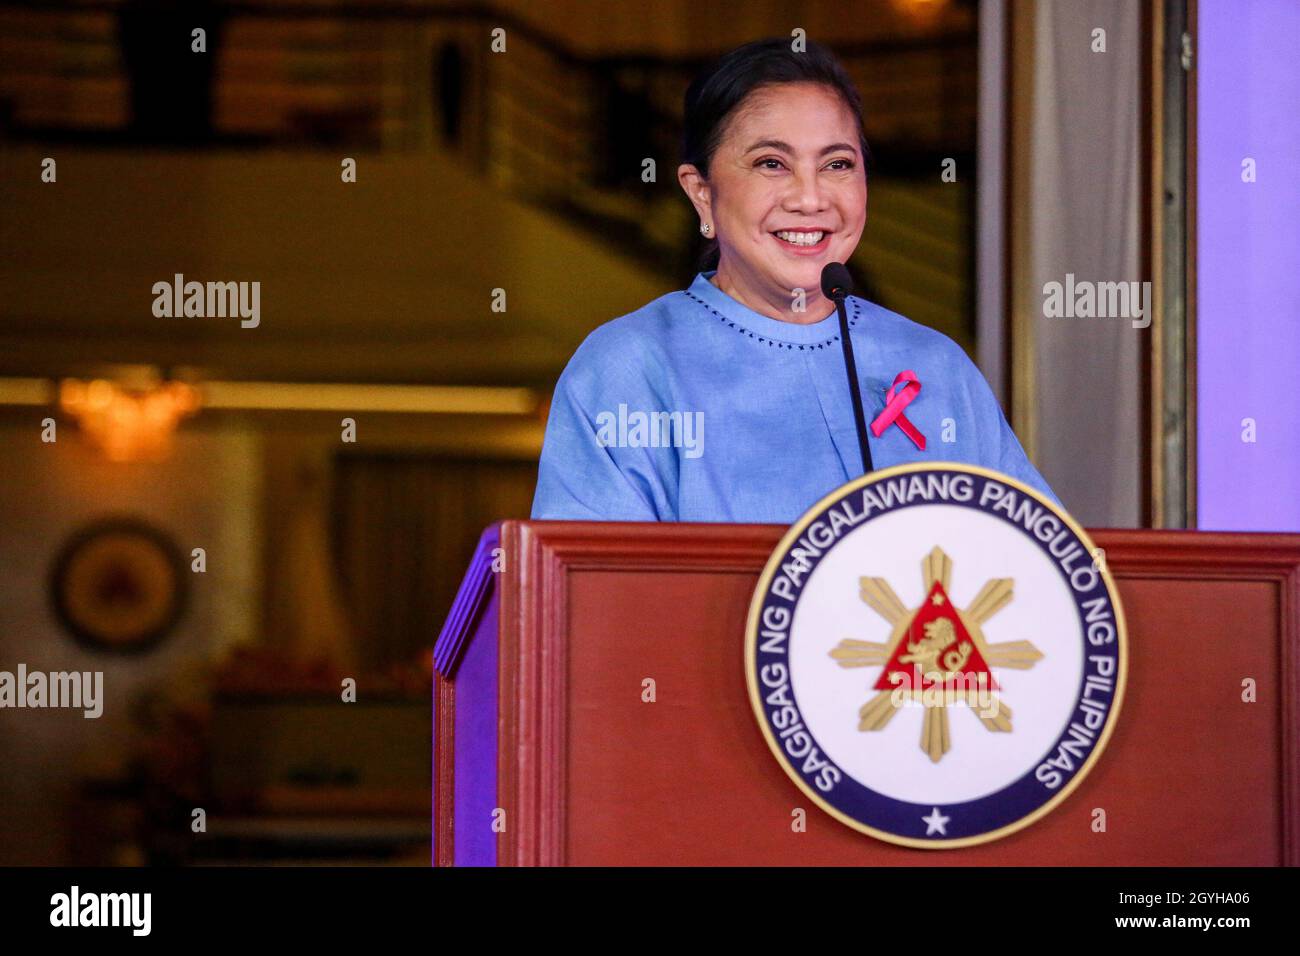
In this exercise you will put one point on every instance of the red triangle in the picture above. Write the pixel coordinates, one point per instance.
(956, 651)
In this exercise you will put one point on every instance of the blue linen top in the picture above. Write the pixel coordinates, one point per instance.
(697, 408)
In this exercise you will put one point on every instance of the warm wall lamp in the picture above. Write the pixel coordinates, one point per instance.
(134, 414)
(129, 423)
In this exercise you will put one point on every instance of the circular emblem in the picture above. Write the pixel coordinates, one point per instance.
(936, 654)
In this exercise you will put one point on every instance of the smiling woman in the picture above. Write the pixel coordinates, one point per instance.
(774, 163)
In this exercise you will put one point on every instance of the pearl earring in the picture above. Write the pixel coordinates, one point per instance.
(705, 229)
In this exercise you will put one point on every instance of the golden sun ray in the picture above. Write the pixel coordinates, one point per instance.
(999, 720)
(934, 732)
(881, 597)
(994, 596)
(936, 566)
(1016, 655)
(851, 653)
(877, 712)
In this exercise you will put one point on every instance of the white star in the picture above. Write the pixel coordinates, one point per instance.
(936, 822)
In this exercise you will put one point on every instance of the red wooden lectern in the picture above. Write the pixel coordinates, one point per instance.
(546, 754)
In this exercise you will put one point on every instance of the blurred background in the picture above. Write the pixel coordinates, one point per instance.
(229, 521)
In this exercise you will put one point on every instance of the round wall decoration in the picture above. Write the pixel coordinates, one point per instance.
(119, 585)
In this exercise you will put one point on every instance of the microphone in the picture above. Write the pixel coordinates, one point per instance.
(837, 285)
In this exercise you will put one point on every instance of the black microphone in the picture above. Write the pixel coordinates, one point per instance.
(837, 285)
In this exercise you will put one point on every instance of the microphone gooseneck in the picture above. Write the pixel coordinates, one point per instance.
(837, 285)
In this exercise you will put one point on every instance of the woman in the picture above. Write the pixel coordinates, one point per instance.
(749, 355)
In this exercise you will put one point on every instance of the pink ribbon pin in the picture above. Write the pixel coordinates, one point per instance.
(897, 399)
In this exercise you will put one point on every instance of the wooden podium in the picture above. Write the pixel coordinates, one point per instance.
(546, 754)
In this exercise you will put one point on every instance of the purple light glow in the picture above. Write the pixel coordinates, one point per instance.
(1248, 265)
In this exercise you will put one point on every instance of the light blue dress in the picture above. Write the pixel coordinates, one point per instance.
(696, 408)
